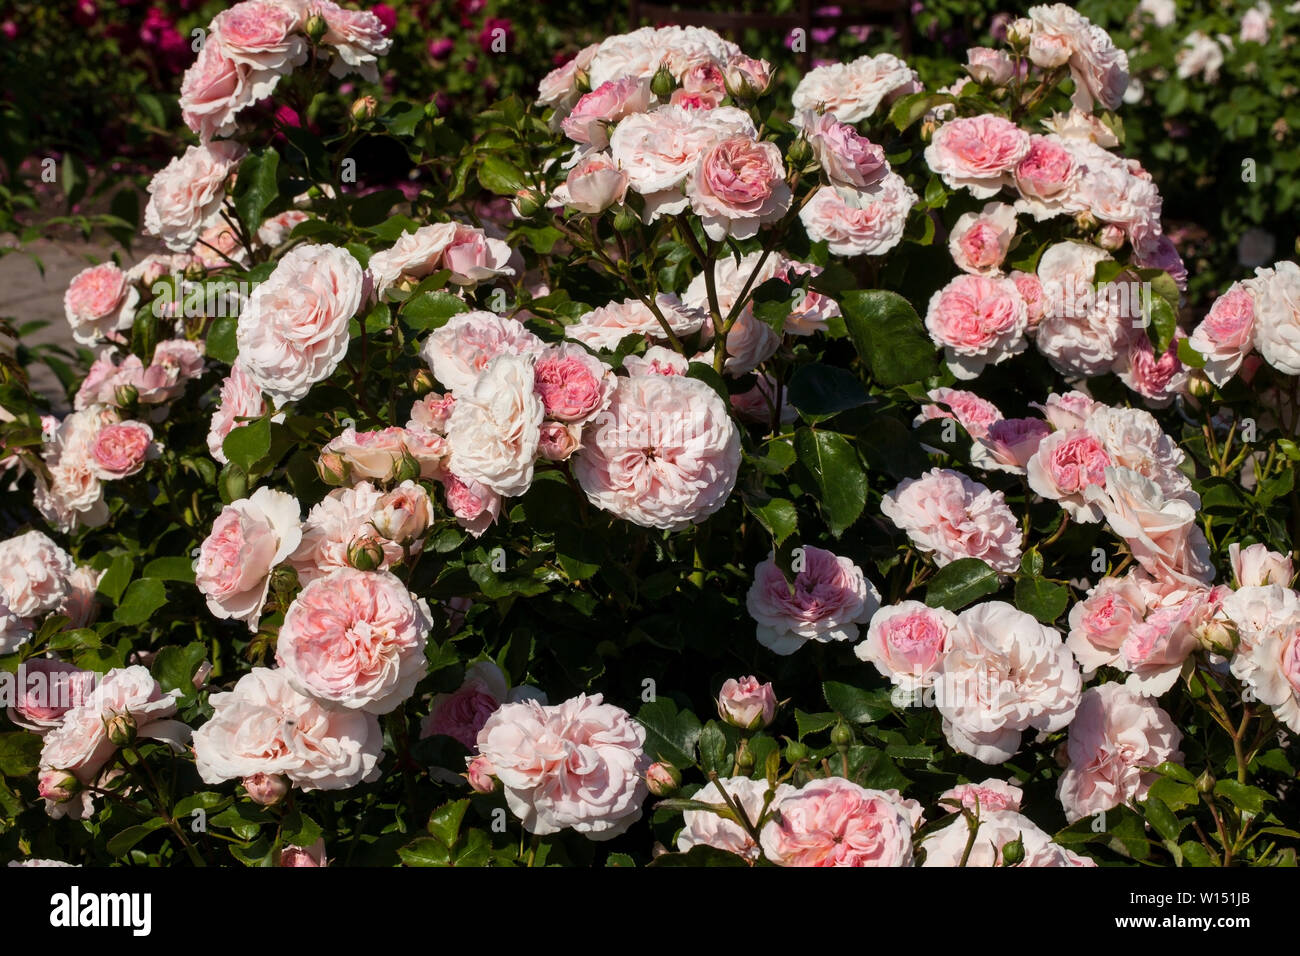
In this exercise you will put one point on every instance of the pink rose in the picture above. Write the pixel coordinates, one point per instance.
(34, 574)
(573, 384)
(215, 89)
(848, 159)
(665, 454)
(458, 352)
(592, 116)
(467, 252)
(293, 332)
(358, 39)
(371, 455)
(1047, 178)
(604, 327)
(186, 196)
(1100, 623)
(747, 704)
(99, 302)
(80, 606)
(1255, 565)
(947, 515)
(580, 764)
(829, 599)
(1227, 334)
(1082, 328)
(265, 789)
(70, 495)
(432, 413)
(834, 822)
(906, 643)
(1117, 739)
(706, 828)
(980, 241)
(46, 690)
(853, 91)
(1031, 290)
(249, 538)
(594, 184)
(1004, 673)
(859, 222)
(987, 797)
(472, 257)
(989, 67)
(260, 35)
(494, 430)
(1154, 651)
(474, 505)
(657, 360)
(1065, 464)
(1009, 444)
(332, 525)
(1157, 379)
(121, 450)
(310, 856)
(355, 639)
(558, 441)
(747, 78)
(979, 321)
(947, 845)
(275, 231)
(738, 186)
(977, 152)
(1267, 659)
(239, 397)
(265, 726)
(973, 413)
(463, 713)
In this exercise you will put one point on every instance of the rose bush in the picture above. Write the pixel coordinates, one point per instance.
(864, 416)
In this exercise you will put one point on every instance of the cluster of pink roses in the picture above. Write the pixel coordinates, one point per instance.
(37, 578)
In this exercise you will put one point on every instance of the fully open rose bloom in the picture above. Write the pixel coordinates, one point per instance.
(1227, 334)
(213, 92)
(906, 643)
(1117, 739)
(34, 573)
(947, 845)
(1100, 623)
(973, 413)
(831, 597)
(249, 538)
(186, 196)
(1066, 463)
(580, 764)
(99, 301)
(738, 186)
(606, 326)
(264, 726)
(1161, 531)
(124, 698)
(977, 152)
(1267, 659)
(979, 320)
(835, 822)
(332, 525)
(1047, 178)
(357, 37)
(458, 352)
(848, 159)
(950, 516)
(980, 241)
(293, 332)
(592, 116)
(46, 690)
(1099, 68)
(706, 828)
(573, 384)
(1004, 673)
(859, 222)
(853, 91)
(1082, 328)
(1277, 316)
(355, 639)
(665, 454)
(1255, 565)
(468, 253)
(121, 449)
(494, 428)
(73, 495)
(1134, 439)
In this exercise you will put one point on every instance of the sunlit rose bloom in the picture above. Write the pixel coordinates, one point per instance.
(737, 187)
(1066, 463)
(853, 91)
(1009, 444)
(186, 196)
(859, 222)
(835, 822)
(947, 845)
(458, 352)
(989, 796)
(34, 573)
(99, 302)
(592, 116)
(848, 159)
(1255, 565)
(249, 538)
(1101, 622)
(606, 326)
(239, 397)
(494, 429)
(1082, 328)
(474, 505)
(980, 241)
(973, 413)
(1277, 316)
(949, 516)
(979, 320)
(977, 152)
(357, 37)
(332, 525)
(706, 828)
(830, 598)
(73, 494)
(906, 643)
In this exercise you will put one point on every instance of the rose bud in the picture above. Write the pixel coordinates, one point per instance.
(747, 78)
(365, 108)
(365, 553)
(313, 855)
(232, 483)
(423, 382)
(1013, 852)
(479, 775)
(405, 468)
(57, 785)
(625, 220)
(663, 779)
(125, 397)
(558, 440)
(266, 789)
(404, 513)
(663, 83)
(746, 703)
(316, 27)
(121, 729)
(800, 152)
(528, 203)
(841, 735)
(333, 469)
(1110, 237)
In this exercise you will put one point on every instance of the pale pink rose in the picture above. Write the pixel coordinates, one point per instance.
(979, 320)
(979, 242)
(835, 822)
(737, 187)
(215, 89)
(848, 159)
(175, 362)
(657, 360)
(70, 495)
(458, 352)
(275, 231)
(758, 404)
(121, 450)
(371, 455)
(186, 196)
(473, 257)
(949, 516)
(404, 514)
(1100, 623)
(310, 856)
(34, 573)
(1162, 532)
(1031, 290)
(261, 36)
(293, 331)
(1154, 650)
(15, 631)
(977, 152)
(695, 100)
(1277, 316)
(1134, 439)
(1004, 673)
(746, 77)
(1255, 24)
(859, 222)
(332, 525)
(45, 690)
(946, 847)
(239, 397)
(579, 764)
(124, 698)
(906, 643)
(1269, 664)
(1116, 191)
(79, 606)
(474, 505)
(665, 454)
(704, 76)
(355, 639)
(990, 796)
(463, 713)
(1117, 739)
(35, 862)
(1099, 69)
(1159, 252)
(1158, 380)
(603, 328)
(264, 726)
(1255, 565)
(265, 789)
(358, 39)
(99, 302)
(853, 91)
(249, 538)
(573, 384)
(1227, 334)
(973, 413)
(412, 257)
(592, 116)
(830, 598)
(1065, 464)
(706, 828)
(1080, 126)
(432, 413)
(1048, 52)
(989, 67)
(559, 88)
(219, 247)
(746, 703)
(1009, 444)
(1082, 328)
(659, 149)
(478, 772)
(1069, 410)
(558, 441)
(594, 184)
(494, 428)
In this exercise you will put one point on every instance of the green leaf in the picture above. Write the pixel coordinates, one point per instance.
(256, 186)
(170, 569)
(116, 578)
(1250, 799)
(813, 723)
(221, 344)
(1189, 356)
(374, 207)
(961, 582)
(856, 704)
(425, 851)
(142, 598)
(820, 391)
(20, 754)
(122, 842)
(1177, 771)
(839, 475)
(444, 822)
(175, 665)
(714, 746)
(889, 336)
(207, 801)
(1045, 600)
(777, 515)
(670, 735)
(431, 310)
(248, 444)
(909, 109)
(620, 860)
(498, 175)
(1162, 819)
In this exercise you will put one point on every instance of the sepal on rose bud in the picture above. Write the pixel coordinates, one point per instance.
(663, 779)
(365, 553)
